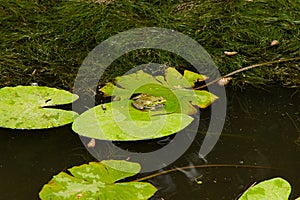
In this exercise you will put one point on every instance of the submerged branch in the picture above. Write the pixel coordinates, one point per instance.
(203, 166)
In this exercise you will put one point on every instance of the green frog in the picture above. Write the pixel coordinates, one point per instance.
(148, 101)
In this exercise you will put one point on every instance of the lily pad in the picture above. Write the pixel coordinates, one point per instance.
(27, 107)
(98, 181)
(174, 87)
(276, 188)
(193, 77)
(121, 122)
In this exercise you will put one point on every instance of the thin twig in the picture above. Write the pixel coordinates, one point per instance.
(247, 68)
(202, 166)
(293, 121)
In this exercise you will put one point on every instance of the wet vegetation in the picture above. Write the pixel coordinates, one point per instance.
(46, 41)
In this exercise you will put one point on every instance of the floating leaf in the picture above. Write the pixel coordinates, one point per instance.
(174, 87)
(193, 77)
(25, 107)
(175, 80)
(97, 181)
(276, 188)
(121, 122)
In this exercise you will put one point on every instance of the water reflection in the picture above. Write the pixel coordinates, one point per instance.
(260, 130)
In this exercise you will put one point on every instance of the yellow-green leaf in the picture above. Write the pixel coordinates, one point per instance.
(96, 180)
(26, 107)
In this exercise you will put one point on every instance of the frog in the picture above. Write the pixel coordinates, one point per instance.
(148, 102)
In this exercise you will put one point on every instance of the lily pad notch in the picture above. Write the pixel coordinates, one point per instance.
(28, 107)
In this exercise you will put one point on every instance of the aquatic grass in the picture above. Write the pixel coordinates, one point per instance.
(46, 41)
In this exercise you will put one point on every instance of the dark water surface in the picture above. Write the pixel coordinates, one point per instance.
(260, 130)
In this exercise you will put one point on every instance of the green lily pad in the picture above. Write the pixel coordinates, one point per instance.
(121, 122)
(276, 188)
(25, 107)
(97, 181)
(193, 77)
(174, 87)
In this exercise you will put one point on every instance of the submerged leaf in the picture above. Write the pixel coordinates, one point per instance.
(25, 107)
(276, 188)
(97, 181)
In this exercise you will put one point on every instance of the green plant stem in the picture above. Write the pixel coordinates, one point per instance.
(203, 166)
(247, 68)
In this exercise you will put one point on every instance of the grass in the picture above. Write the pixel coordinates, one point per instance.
(46, 41)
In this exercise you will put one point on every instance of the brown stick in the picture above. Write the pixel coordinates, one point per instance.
(203, 166)
(247, 68)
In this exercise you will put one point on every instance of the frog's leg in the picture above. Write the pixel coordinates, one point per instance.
(137, 105)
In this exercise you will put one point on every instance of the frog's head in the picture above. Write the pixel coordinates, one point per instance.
(148, 101)
(160, 100)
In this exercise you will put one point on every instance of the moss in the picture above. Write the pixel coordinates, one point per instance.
(46, 41)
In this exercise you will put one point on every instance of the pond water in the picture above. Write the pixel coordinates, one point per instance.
(261, 130)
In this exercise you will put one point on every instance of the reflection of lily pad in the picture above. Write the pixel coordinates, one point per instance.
(25, 107)
(97, 181)
(276, 188)
(121, 122)
(174, 87)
